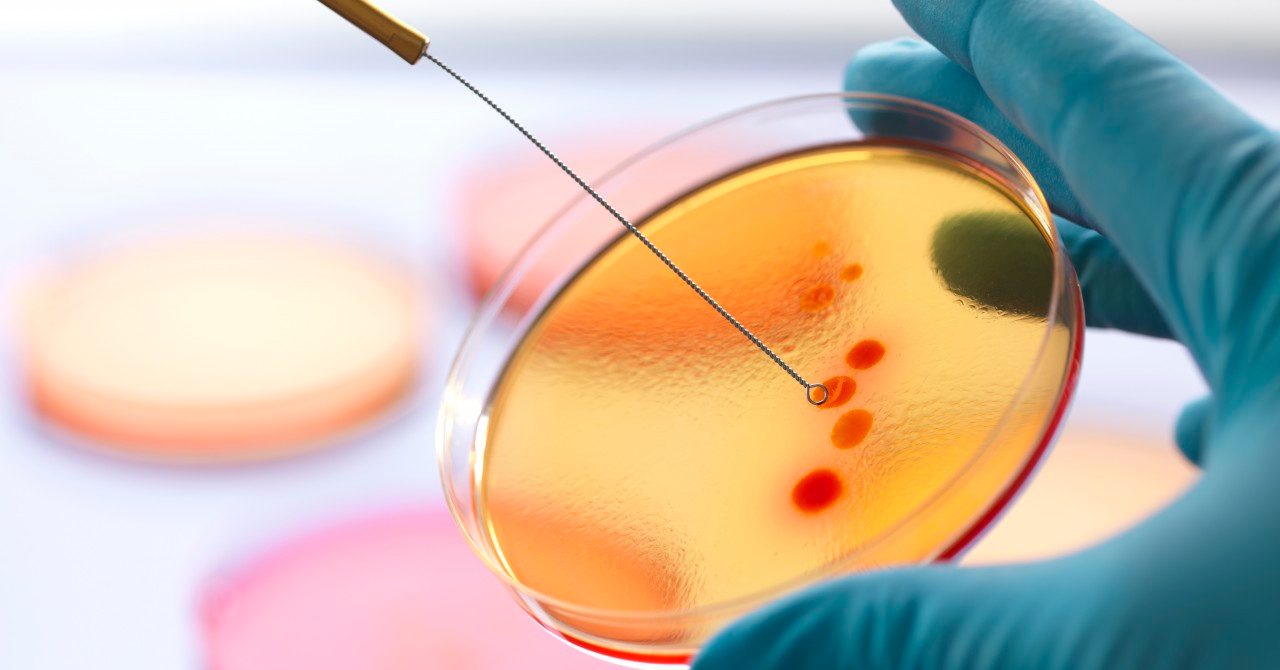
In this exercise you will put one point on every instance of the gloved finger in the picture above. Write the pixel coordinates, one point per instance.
(1113, 295)
(1153, 152)
(930, 618)
(913, 69)
(964, 244)
(1114, 298)
(1192, 429)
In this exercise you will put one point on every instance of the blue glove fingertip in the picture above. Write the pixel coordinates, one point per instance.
(1191, 430)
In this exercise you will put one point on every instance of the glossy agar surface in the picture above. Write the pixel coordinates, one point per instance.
(643, 458)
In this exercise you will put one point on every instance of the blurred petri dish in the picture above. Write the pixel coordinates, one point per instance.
(640, 474)
(509, 194)
(220, 346)
(1099, 481)
(395, 591)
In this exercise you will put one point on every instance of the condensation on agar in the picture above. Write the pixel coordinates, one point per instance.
(851, 428)
(551, 447)
(817, 490)
(865, 354)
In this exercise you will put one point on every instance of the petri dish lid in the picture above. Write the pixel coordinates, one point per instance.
(641, 473)
(216, 346)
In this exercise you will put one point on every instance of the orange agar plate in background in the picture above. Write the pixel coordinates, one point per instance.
(220, 347)
(510, 194)
(397, 591)
(640, 474)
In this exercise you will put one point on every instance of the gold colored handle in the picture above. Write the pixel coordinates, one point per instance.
(406, 42)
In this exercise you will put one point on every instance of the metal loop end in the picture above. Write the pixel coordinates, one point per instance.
(817, 394)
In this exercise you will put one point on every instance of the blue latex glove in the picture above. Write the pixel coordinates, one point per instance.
(1183, 190)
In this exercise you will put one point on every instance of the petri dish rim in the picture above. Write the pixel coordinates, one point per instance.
(489, 315)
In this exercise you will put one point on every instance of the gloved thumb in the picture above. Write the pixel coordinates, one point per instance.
(928, 618)
(1192, 429)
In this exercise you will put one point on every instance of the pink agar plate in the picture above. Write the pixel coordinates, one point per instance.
(508, 196)
(397, 591)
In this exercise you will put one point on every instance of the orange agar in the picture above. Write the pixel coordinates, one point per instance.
(851, 272)
(851, 428)
(865, 354)
(821, 249)
(839, 389)
(221, 346)
(817, 298)
(549, 447)
(816, 491)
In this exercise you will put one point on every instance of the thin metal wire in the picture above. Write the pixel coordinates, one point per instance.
(811, 389)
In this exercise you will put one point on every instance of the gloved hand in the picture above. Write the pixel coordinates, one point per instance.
(1183, 190)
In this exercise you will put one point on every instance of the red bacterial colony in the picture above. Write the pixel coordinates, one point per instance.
(817, 298)
(839, 389)
(851, 428)
(816, 491)
(865, 354)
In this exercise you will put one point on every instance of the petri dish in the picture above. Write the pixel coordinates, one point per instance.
(387, 591)
(1115, 478)
(639, 474)
(219, 346)
(509, 193)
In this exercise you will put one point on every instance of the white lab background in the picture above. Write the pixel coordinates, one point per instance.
(117, 113)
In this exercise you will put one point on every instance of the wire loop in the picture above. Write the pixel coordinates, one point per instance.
(809, 388)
